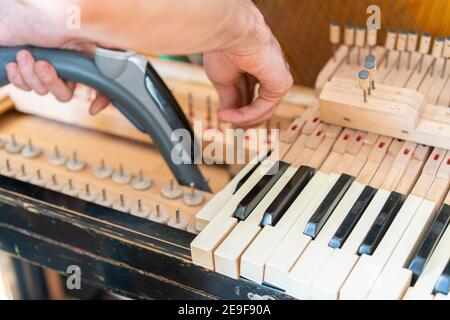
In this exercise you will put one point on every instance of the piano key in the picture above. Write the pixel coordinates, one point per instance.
(228, 253)
(443, 284)
(257, 193)
(381, 224)
(335, 270)
(430, 241)
(295, 242)
(208, 212)
(441, 296)
(323, 212)
(250, 171)
(352, 218)
(285, 198)
(368, 268)
(203, 246)
(254, 258)
(395, 278)
(318, 251)
(423, 288)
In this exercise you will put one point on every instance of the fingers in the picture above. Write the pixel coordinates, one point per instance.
(49, 78)
(15, 77)
(26, 64)
(100, 102)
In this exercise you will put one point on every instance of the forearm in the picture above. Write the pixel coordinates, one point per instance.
(167, 26)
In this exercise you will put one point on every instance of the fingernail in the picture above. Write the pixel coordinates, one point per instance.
(22, 57)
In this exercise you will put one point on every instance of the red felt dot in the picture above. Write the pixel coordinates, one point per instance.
(406, 151)
(294, 127)
(319, 133)
(448, 161)
(436, 157)
(381, 144)
(315, 119)
(346, 137)
(358, 138)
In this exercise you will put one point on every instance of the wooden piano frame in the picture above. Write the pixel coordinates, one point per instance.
(117, 252)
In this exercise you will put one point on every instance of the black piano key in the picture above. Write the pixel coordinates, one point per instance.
(352, 217)
(259, 191)
(323, 212)
(248, 174)
(430, 241)
(381, 223)
(287, 196)
(443, 283)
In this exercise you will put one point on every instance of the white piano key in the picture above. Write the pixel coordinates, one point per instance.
(395, 278)
(368, 268)
(203, 246)
(330, 279)
(295, 242)
(441, 296)
(423, 288)
(318, 251)
(254, 258)
(227, 255)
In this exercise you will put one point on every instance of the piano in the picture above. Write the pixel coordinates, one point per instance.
(356, 203)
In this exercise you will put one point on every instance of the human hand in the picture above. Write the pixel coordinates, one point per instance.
(39, 76)
(260, 61)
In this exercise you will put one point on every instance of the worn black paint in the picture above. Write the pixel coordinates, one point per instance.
(430, 242)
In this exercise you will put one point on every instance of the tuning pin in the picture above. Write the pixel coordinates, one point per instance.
(193, 197)
(74, 164)
(349, 39)
(103, 171)
(123, 204)
(7, 169)
(70, 189)
(411, 46)
(121, 176)
(141, 182)
(178, 221)
(364, 83)
(335, 37)
(39, 179)
(446, 56)
(360, 41)
(87, 194)
(371, 68)
(190, 108)
(171, 191)
(391, 39)
(438, 48)
(30, 151)
(24, 174)
(105, 199)
(54, 184)
(140, 210)
(159, 215)
(424, 48)
(57, 158)
(12, 146)
(401, 46)
(372, 34)
(208, 113)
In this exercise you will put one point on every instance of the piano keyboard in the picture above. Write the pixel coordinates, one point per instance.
(342, 214)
